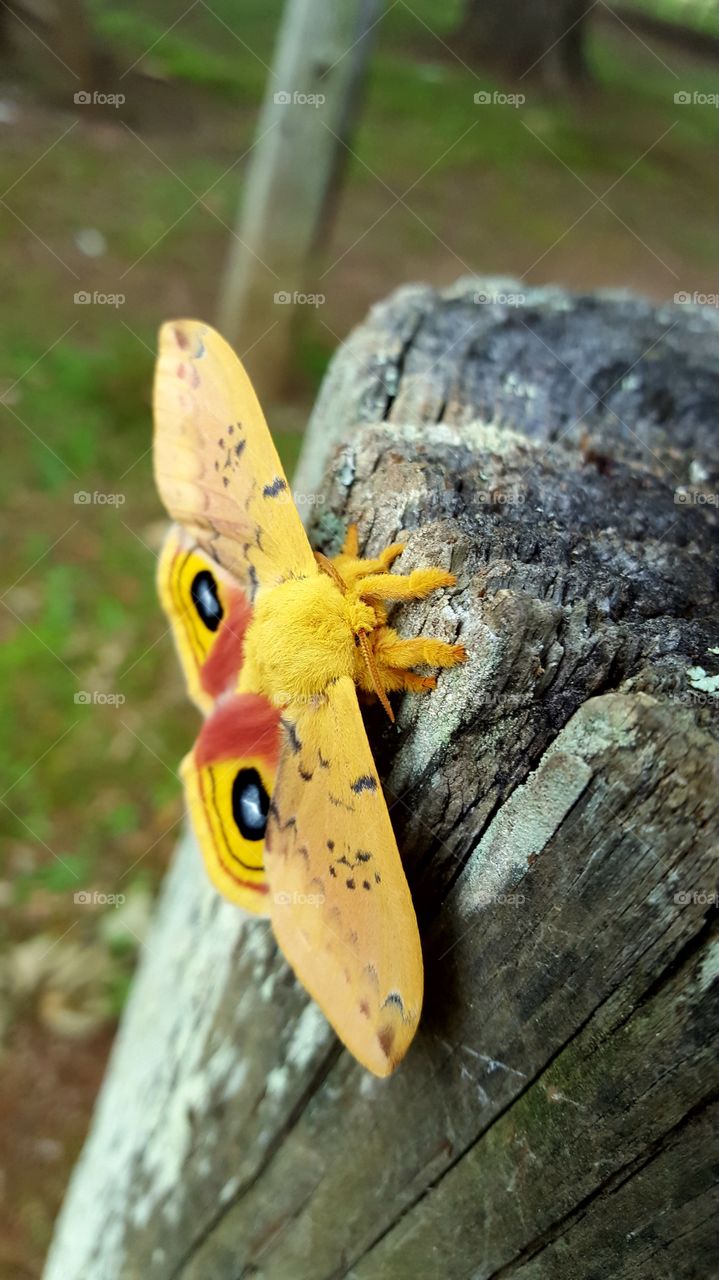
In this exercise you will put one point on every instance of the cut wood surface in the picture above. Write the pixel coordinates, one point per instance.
(555, 803)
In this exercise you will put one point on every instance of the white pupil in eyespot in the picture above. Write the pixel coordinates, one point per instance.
(254, 816)
(206, 599)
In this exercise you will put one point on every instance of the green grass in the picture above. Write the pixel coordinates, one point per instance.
(698, 15)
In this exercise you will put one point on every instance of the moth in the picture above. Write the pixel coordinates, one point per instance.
(275, 640)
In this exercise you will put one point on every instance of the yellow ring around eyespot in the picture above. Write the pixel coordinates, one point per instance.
(234, 864)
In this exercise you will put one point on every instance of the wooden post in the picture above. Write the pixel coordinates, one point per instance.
(312, 96)
(555, 804)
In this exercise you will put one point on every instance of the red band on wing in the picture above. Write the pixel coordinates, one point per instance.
(227, 654)
(241, 726)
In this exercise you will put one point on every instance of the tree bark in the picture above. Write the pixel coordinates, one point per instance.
(540, 38)
(555, 804)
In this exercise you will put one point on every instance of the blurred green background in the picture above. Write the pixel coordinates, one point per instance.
(105, 201)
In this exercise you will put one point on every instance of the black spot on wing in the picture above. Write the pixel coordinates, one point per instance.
(394, 998)
(272, 490)
(305, 775)
(364, 783)
(339, 804)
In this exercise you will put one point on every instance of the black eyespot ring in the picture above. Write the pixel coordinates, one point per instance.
(250, 804)
(206, 599)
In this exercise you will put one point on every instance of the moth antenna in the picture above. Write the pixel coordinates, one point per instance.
(327, 567)
(374, 673)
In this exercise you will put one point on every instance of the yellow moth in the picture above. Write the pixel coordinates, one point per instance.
(275, 640)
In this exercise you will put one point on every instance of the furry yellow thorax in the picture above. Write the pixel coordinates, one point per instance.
(306, 632)
(302, 636)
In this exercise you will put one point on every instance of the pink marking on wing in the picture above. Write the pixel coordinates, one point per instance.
(243, 725)
(228, 651)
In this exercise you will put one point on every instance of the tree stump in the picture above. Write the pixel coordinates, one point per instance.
(553, 802)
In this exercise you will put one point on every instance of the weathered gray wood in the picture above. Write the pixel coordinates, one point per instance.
(555, 802)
